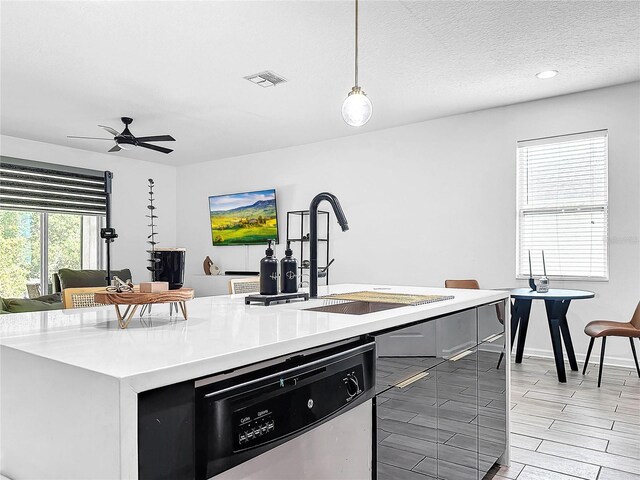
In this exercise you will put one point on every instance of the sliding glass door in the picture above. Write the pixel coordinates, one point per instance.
(35, 245)
(19, 252)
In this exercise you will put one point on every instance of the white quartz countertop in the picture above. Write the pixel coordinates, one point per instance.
(221, 333)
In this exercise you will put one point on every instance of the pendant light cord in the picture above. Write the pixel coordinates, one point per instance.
(356, 56)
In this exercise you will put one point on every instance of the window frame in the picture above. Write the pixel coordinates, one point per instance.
(604, 207)
(45, 275)
(44, 247)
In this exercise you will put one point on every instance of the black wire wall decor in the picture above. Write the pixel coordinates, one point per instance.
(151, 239)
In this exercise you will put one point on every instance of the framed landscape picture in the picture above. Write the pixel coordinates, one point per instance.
(248, 218)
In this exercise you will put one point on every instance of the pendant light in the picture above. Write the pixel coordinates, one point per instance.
(357, 108)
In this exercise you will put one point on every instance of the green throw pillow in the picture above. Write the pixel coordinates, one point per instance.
(51, 298)
(3, 307)
(21, 305)
(88, 278)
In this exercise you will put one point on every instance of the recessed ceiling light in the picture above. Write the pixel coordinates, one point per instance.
(547, 74)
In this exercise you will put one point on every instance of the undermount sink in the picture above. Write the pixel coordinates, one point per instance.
(355, 308)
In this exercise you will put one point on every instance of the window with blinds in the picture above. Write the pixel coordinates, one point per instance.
(36, 186)
(563, 206)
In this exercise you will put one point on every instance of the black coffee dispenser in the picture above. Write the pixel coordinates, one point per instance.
(170, 267)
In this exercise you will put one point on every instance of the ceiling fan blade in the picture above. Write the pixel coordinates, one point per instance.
(115, 148)
(110, 130)
(156, 138)
(154, 147)
(90, 138)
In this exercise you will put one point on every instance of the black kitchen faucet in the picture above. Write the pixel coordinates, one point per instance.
(313, 235)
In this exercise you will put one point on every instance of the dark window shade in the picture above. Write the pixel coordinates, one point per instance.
(44, 187)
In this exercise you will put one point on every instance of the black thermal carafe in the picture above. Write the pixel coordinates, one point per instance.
(288, 272)
(269, 273)
(169, 266)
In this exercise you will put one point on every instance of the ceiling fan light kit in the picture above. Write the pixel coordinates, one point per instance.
(356, 108)
(127, 141)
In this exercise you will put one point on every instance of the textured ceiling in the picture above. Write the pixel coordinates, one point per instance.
(177, 67)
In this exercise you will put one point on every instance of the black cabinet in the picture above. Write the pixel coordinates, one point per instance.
(441, 402)
(457, 387)
(407, 432)
(492, 388)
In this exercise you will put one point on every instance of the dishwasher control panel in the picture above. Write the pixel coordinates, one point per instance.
(254, 429)
(291, 403)
(240, 419)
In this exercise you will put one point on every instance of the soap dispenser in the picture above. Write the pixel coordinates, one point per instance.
(269, 273)
(288, 272)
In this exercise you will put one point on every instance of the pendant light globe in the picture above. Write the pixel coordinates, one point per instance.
(356, 108)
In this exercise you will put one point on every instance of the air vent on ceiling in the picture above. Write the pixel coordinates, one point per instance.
(266, 79)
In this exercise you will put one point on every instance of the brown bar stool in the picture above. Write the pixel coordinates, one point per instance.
(469, 284)
(606, 328)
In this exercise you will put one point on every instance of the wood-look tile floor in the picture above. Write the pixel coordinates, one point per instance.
(573, 430)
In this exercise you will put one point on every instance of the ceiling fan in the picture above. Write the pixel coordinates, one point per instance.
(126, 140)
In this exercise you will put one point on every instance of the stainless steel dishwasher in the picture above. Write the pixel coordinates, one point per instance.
(309, 417)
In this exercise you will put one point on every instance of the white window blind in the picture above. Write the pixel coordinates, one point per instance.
(563, 206)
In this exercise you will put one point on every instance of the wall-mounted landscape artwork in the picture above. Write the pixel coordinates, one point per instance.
(248, 218)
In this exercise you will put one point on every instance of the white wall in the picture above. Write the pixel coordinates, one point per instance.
(425, 202)
(129, 201)
(436, 200)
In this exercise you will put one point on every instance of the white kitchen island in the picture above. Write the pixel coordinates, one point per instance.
(70, 379)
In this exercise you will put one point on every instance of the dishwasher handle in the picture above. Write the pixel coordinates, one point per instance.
(326, 361)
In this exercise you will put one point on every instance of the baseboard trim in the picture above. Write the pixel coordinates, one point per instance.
(610, 360)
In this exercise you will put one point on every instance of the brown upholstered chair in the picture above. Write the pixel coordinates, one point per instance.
(469, 284)
(607, 328)
(474, 285)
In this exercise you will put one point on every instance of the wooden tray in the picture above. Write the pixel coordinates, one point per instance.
(134, 299)
(388, 297)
